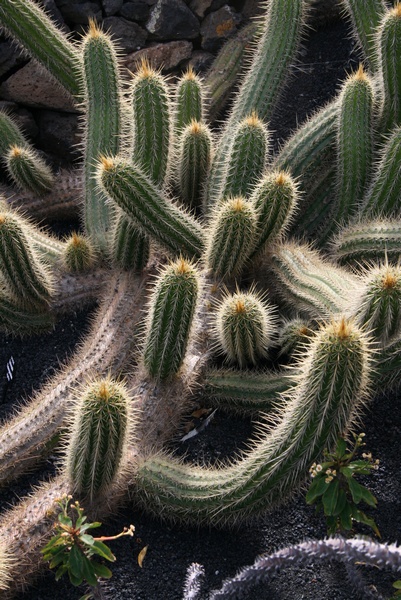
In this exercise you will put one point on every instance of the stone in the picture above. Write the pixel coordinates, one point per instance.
(9, 58)
(200, 61)
(22, 117)
(79, 12)
(136, 11)
(199, 7)
(172, 20)
(58, 133)
(127, 35)
(218, 26)
(55, 14)
(34, 86)
(165, 57)
(111, 7)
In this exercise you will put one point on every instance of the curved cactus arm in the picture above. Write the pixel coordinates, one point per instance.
(130, 248)
(365, 18)
(144, 204)
(22, 320)
(29, 171)
(30, 27)
(331, 386)
(10, 134)
(389, 43)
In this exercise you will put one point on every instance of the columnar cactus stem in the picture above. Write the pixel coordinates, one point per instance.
(10, 134)
(29, 25)
(144, 204)
(365, 18)
(172, 310)
(367, 241)
(96, 452)
(78, 254)
(29, 171)
(331, 386)
(194, 155)
(294, 335)
(189, 102)
(130, 247)
(22, 320)
(102, 127)
(389, 41)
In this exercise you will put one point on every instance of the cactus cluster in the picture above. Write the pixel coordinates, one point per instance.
(210, 224)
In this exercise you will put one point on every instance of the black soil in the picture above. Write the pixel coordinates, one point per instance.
(327, 56)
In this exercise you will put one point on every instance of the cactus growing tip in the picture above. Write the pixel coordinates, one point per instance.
(106, 162)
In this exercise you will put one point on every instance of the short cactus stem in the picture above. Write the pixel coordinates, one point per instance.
(10, 134)
(354, 144)
(29, 171)
(378, 308)
(102, 127)
(130, 247)
(152, 116)
(244, 328)
(365, 18)
(231, 237)
(294, 337)
(194, 154)
(139, 198)
(331, 390)
(389, 42)
(99, 438)
(382, 198)
(188, 105)
(28, 280)
(247, 157)
(367, 241)
(275, 199)
(78, 254)
(171, 315)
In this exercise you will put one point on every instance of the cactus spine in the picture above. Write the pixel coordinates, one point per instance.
(188, 101)
(365, 18)
(294, 335)
(332, 382)
(389, 41)
(367, 241)
(130, 247)
(99, 438)
(78, 254)
(10, 134)
(194, 155)
(29, 171)
(172, 309)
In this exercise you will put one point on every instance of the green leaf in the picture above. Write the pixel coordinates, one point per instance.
(87, 539)
(86, 596)
(341, 502)
(347, 472)
(58, 558)
(80, 521)
(360, 516)
(75, 561)
(346, 517)
(74, 580)
(341, 447)
(60, 571)
(103, 551)
(368, 497)
(356, 490)
(316, 489)
(91, 525)
(65, 520)
(397, 584)
(101, 570)
(330, 497)
(88, 571)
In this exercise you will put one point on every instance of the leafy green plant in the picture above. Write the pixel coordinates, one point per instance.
(335, 490)
(72, 549)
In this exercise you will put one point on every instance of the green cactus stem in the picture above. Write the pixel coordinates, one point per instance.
(308, 284)
(99, 438)
(10, 134)
(332, 383)
(79, 254)
(102, 127)
(189, 101)
(130, 246)
(365, 18)
(387, 366)
(171, 314)
(152, 116)
(27, 278)
(22, 320)
(383, 197)
(246, 160)
(194, 155)
(30, 27)
(354, 144)
(244, 327)
(28, 170)
(367, 241)
(389, 42)
(275, 199)
(295, 334)
(378, 307)
(231, 237)
(144, 204)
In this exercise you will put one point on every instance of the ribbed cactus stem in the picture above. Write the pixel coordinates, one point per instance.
(79, 254)
(99, 438)
(354, 144)
(246, 160)
(171, 315)
(365, 18)
(145, 205)
(26, 277)
(382, 198)
(188, 105)
(22, 320)
(29, 171)
(194, 155)
(10, 134)
(244, 328)
(275, 199)
(30, 27)
(129, 246)
(330, 392)
(102, 127)
(367, 241)
(389, 42)
(295, 334)
(5, 563)
(152, 116)
(378, 307)
(231, 237)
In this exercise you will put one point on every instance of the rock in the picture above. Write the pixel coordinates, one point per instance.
(79, 12)
(218, 26)
(58, 133)
(23, 118)
(200, 61)
(136, 11)
(172, 20)
(9, 58)
(127, 35)
(54, 13)
(161, 56)
(199, 7)
(34, 86)
(111, 7)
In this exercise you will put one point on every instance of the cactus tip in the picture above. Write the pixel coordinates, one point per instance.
(15, 151)
(396, 11)
(342, 329)
(144, 69)
(282, 178)
(237, 204)
(183, 266)
(196, 127)
(189, 74)
(94, 30)
(253, 120)
(390, 279)
(106, 162)
(360, 74)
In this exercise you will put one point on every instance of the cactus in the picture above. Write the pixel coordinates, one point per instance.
(365, 18)
(189, 101)
(28, 171)
(194, 155)
(294, 335)
(78, 255)
(389, 34)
